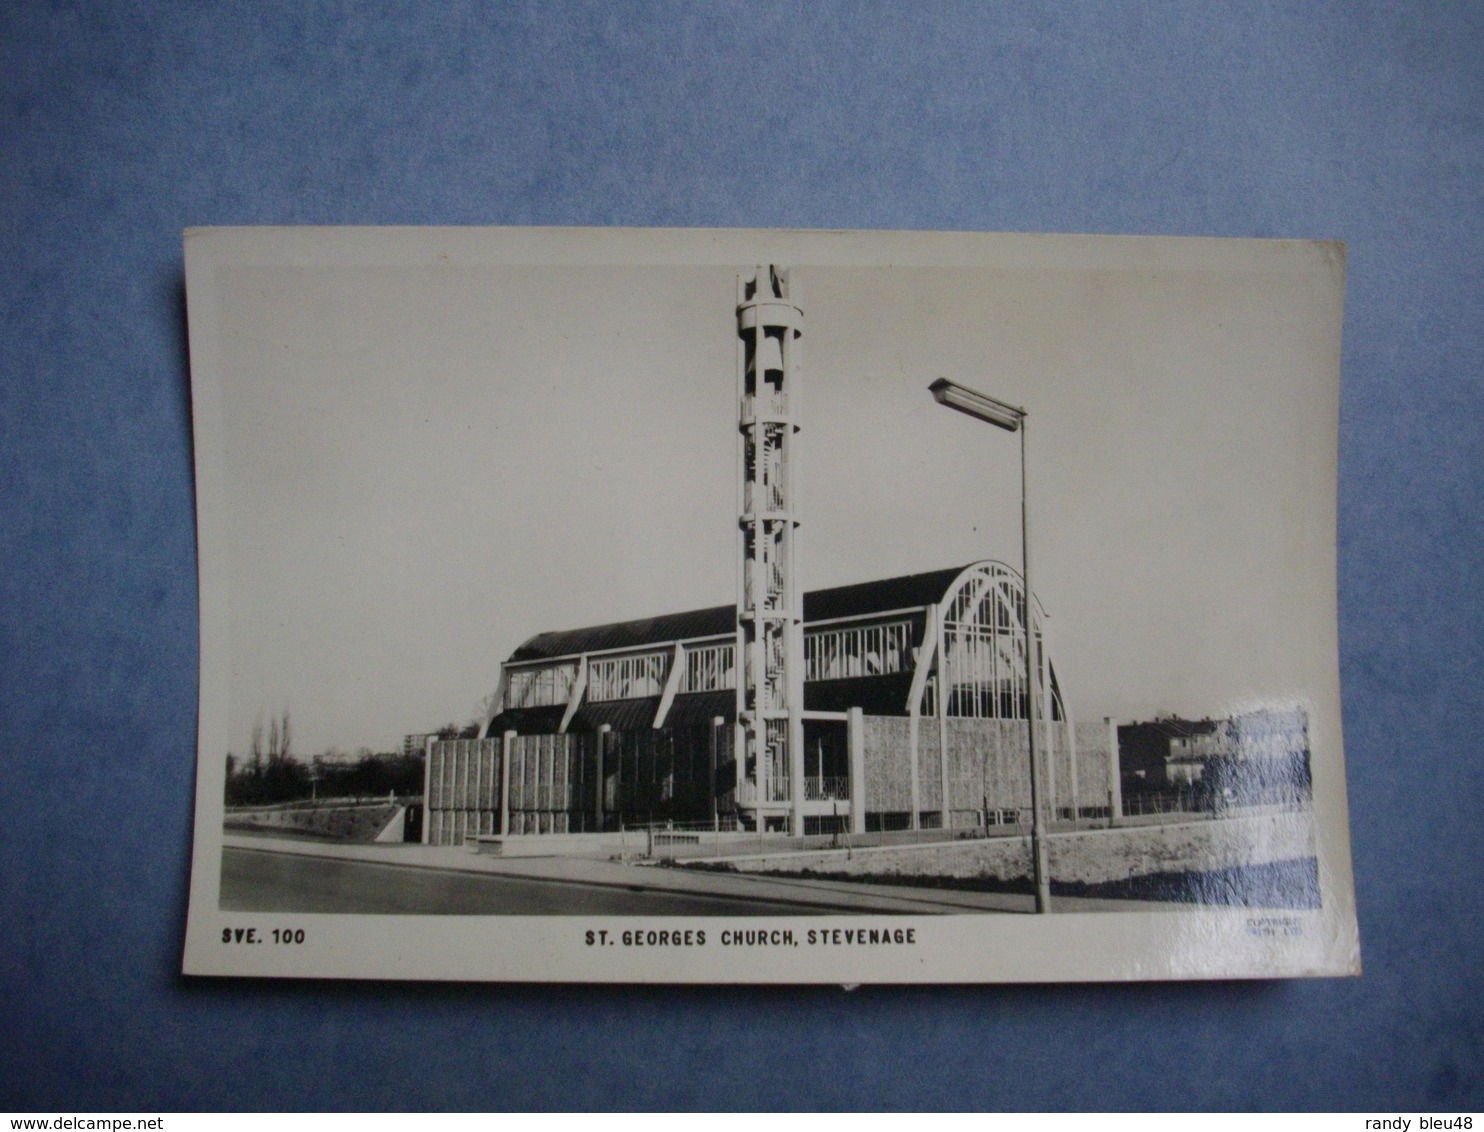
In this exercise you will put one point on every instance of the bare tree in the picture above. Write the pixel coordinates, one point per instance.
(280, 738)
(487, 708)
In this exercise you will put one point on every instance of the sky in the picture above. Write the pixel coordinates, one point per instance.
(418, 448)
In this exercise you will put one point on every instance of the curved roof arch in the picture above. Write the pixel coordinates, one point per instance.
(987, 595)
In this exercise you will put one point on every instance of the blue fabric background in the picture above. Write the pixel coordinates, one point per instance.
(122, 123)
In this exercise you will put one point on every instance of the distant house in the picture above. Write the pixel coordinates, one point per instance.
(1247, 759)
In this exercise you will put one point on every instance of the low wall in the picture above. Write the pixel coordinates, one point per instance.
(337, 823)
(1087, 857)
(396, 829)
(637, 843)
(987, 767)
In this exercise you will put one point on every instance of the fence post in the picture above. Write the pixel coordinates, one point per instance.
(601, 783)
(1115, 781)
(427, 789)
(507, 744)
(717, 723)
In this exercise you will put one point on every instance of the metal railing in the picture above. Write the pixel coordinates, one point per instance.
(827, 789)
(747, 791)
(1195, 801)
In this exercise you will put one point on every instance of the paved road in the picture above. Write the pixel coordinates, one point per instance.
(279, 875)
(258, 881)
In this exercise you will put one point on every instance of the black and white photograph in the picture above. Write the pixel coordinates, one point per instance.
(766, 606)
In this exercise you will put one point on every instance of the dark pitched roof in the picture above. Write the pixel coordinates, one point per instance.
(906, 592)
(1171, 727)
(629, 634)
(862, 598)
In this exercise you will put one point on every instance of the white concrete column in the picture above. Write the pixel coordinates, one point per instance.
(855, 743)
(600, 756)
(507, 743)
(1115, 780)
(557, 742)
(427, 790)
(717, 723)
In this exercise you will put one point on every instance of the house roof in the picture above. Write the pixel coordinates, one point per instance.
(909, 591)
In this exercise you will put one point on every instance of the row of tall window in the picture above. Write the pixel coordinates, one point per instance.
(627, 677)
(860, 650)
(711, 668)
(540, 687)
(829, 654)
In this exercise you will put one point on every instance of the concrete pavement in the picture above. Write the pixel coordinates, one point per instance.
(804, 894)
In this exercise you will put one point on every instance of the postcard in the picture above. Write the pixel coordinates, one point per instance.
(620, 605)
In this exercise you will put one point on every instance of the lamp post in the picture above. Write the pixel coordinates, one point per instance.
(982, 407)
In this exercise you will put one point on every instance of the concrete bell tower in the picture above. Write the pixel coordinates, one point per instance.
(770, 613)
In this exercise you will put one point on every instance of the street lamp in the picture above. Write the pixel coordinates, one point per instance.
(993, 411)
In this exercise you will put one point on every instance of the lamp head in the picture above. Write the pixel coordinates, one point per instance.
(978, 405)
